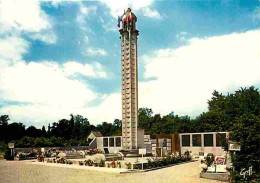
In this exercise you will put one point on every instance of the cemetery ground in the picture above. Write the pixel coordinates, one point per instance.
(29, 172)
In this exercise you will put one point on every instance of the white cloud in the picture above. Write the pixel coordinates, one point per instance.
(23, 15)
(109, 25)
(46, 90)
(44, 36)
(49, 94)
(88, 10)
(187, 76)
(42, 83)
(85, 11)
(97, 51)
(147, 12)
(182, 36)
(108, 110)
(12, 48)
(91, 70)
(117, 6)
(42, 114)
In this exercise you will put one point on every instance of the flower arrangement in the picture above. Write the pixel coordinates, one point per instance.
(209, 160)
(61, 160)
(113, 164)
(118, 164)
(102, 163)
(89, 162)
(41, 158)
(168, 160)
(94, 151)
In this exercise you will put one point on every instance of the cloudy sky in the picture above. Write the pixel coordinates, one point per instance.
(63, 57)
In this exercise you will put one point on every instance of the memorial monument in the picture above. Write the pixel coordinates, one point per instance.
(128, 36)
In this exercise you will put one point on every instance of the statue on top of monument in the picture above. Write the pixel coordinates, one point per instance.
(128, 20)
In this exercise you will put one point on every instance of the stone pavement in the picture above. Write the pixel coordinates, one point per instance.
(27, 172)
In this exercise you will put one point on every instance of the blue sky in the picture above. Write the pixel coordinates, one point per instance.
(63, 57)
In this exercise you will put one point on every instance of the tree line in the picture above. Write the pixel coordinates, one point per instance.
(65, 132)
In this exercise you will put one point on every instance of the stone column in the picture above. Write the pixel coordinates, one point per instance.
(129, 88)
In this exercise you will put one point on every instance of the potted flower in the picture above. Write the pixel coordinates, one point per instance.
(113, 164)
(80, 163)
(102, 163)
(89, 162)
(118, 164)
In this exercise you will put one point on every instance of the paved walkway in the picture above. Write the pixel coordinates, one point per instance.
(25, 172)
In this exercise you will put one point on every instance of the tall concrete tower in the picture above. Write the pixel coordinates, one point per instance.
(129, 80)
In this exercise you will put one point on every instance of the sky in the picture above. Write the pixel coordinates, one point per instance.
(63, 57)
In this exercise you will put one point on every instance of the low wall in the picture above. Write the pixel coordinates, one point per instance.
(29, 149)
(215, 176)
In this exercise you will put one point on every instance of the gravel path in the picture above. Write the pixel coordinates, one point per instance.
(24, 172)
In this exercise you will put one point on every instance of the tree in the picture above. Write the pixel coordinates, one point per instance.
(15, 131)
(31, 131)
(245, 130)
(238, 113)
(49, 129)
(4, 119)
(63, 129)
(4, 127)
(81, 127)
(44, 133)
(145, 119)
(105, 128)
(117, 127)
(25, 142)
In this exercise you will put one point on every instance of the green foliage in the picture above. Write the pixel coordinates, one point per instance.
(168, 160)
(168, 124)
(246, 132)
(4, 119)
(238, 113)
(209, 160)
(3, 147)
(25, 142)
(88, 162)
(109, 129)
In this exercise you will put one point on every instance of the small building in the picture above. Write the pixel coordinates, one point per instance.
(199, 144)
(203, 143)
(111, 143)
(94, 134)
(162, 144)
(114, 144)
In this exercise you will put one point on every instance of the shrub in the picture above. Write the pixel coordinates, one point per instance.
(89, 162)
(102, 163)
(209, 160)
